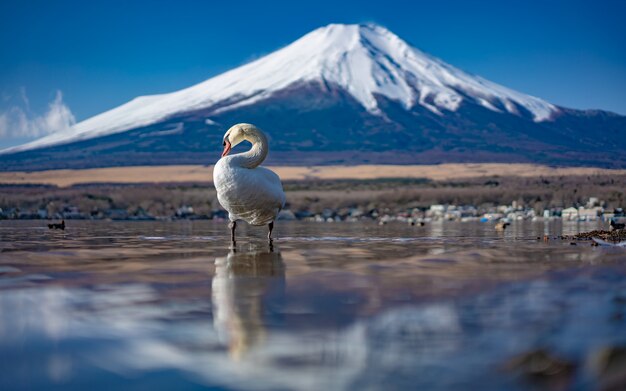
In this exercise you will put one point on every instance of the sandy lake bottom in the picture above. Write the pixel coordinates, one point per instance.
(330, 306)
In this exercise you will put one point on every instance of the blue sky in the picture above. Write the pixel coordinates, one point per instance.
(69, 60)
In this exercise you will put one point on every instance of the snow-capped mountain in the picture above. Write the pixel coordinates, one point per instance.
(382, 85)
(364, 60)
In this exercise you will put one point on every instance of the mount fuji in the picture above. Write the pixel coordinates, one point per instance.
(341, 94)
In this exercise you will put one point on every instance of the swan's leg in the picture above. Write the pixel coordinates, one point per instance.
(269, 234)
(232, 225)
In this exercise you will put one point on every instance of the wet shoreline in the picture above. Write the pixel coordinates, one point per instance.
(328, 306)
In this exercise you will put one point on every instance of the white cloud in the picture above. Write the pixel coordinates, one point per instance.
(17, 122)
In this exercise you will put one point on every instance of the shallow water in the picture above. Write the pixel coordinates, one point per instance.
(133, 305)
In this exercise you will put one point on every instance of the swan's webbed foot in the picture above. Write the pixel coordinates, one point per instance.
(232, 225)
(269, 234)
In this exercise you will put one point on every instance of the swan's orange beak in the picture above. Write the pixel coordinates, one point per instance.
(227, 147)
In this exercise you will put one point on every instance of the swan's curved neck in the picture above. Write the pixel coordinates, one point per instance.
(255, 156)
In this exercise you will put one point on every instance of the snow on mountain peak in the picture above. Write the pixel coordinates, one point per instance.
(369, 59)
(365, 60)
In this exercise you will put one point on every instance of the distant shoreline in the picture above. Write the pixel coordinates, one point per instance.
(199, 173)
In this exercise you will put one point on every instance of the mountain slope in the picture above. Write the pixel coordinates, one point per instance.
(348, 93)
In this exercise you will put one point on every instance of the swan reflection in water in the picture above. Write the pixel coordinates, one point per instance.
(241, 286)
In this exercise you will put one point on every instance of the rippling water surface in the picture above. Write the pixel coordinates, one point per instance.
(116, 305)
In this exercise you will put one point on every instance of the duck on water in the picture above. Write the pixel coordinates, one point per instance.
(247, 191)
(60, 225)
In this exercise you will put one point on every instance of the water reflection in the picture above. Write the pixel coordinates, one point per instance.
(241, 281)
(366, 307)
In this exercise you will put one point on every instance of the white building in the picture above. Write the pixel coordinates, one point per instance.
(570, 213)
(589, 214)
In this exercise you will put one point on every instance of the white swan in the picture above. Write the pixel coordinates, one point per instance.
(248, 192)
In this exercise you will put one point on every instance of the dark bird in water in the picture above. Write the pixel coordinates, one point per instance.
(615, 225)
(501, 226)
(57, 226)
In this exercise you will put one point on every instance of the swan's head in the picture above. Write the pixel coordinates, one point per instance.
(236, 134)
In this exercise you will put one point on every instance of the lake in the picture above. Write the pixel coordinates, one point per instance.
(330, 306)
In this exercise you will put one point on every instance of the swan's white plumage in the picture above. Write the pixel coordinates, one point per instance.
(248, 192)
